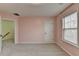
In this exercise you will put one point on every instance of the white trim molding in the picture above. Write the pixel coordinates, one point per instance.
(65, 50)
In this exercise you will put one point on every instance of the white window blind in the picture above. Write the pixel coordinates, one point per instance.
(70, 28)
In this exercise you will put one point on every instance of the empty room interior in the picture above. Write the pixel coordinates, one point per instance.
(39, 29)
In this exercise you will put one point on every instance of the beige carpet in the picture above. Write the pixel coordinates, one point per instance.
(10, 49)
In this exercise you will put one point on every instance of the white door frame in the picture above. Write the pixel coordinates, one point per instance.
(14, 27)
(15, 30)
(0, 34)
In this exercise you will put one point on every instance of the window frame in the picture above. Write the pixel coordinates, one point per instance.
(63, 29)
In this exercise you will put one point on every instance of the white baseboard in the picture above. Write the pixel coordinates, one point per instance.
(34, 42)
(65, 50)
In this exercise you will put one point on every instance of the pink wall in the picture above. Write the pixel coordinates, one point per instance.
(8, 16)
(31, 30)
(67, 47)
(27, 29)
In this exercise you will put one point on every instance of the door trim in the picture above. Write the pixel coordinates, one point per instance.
(8, 19)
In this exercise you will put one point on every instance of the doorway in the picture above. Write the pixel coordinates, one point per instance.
(49, 30)
(8, 33)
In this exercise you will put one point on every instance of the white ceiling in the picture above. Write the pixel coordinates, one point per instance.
(30, 9)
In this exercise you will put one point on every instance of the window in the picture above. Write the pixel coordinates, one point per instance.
(69, 24)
